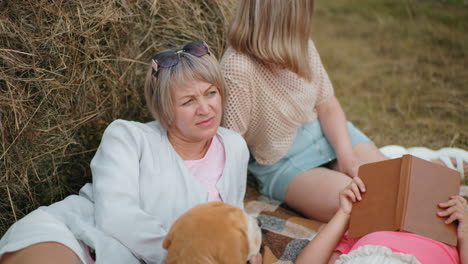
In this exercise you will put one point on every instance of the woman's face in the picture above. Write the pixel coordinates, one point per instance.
(197, 110)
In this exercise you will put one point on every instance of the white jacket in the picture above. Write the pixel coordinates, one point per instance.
(140, 187)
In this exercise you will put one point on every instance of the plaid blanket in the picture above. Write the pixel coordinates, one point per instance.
(284, 232)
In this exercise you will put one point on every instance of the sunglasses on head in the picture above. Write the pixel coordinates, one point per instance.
(170, 58)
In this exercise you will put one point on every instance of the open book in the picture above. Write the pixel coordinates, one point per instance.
(402, 195)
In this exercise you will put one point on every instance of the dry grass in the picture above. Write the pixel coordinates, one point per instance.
(400, 68)
(67, 68)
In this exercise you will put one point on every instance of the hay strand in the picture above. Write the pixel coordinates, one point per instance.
(67, 69)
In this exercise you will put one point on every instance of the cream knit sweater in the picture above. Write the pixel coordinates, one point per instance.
(267, 105)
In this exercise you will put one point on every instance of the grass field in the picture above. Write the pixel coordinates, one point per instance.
(399, 67)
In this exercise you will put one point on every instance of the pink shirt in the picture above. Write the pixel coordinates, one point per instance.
(426, 250)
(208, 170)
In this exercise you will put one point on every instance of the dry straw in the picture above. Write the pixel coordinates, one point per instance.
(67, 68)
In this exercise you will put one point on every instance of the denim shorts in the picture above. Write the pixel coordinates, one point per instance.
(310, 149)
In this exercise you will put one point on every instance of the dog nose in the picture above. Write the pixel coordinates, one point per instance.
(259, 223)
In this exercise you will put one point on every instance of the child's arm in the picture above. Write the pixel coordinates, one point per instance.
(333, 121)
(457, 209)
(321, 247)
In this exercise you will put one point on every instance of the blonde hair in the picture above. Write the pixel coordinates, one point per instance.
(158, 85)
(274, 31)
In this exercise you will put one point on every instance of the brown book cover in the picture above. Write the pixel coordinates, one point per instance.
(402, 195)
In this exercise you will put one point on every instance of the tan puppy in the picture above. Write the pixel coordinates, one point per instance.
(213, 232)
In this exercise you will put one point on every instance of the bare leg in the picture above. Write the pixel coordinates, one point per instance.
(315, 192)
(42, 253)
(366, 152)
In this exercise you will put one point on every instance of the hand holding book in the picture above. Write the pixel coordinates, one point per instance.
(351, 194)
(403, 194)
(374, 200)
(456, 209)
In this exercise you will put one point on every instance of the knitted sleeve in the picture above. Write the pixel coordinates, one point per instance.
(320, 77)
(238, 104)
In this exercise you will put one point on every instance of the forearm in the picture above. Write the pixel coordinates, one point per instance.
(118, 213)
(323, 244)
(456, 209)
(143, 237)
(333, 122)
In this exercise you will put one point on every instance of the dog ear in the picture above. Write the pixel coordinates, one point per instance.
(235, 250)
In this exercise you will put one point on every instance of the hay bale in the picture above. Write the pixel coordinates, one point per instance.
(68, 68)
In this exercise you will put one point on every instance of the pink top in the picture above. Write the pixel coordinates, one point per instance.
(426, 250)
(208, 170)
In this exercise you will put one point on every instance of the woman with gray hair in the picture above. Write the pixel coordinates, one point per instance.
(145, 175)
